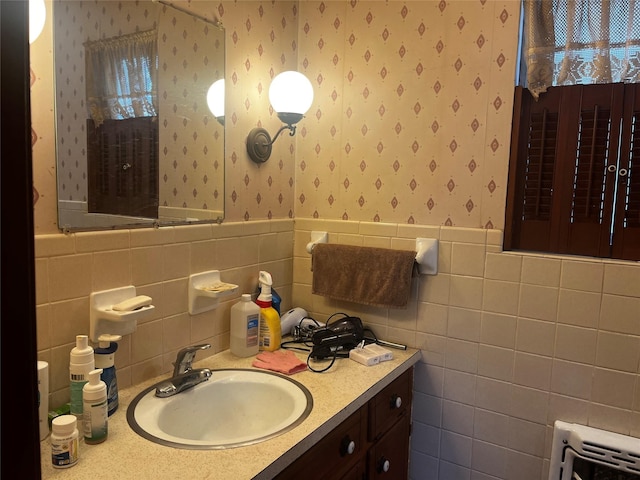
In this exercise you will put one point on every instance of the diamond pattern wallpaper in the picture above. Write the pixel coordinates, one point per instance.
(412, 118)
(410, 122)
(191, 146)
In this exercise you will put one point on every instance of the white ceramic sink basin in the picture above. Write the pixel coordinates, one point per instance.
(233, 408)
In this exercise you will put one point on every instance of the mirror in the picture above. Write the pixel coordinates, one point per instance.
(119, 165)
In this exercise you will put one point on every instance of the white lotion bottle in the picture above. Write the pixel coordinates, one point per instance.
(81, 362)
(94, 399)
(245, 326)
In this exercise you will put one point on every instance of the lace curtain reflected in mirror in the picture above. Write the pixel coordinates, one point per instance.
(122, 76)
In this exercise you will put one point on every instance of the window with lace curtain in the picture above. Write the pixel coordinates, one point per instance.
(122, 128)
(574, 174)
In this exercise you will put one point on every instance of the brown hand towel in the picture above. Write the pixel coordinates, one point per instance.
(366, 275)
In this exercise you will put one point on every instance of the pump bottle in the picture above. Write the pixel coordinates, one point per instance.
(105, 359)
(94, 397)
(81, 362)
(270, 333)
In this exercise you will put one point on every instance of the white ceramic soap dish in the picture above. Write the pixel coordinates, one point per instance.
(206, 289)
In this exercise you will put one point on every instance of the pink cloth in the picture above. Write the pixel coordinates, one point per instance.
(282, 361)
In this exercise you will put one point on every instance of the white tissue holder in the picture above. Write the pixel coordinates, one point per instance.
(202, 299)
(103, 320)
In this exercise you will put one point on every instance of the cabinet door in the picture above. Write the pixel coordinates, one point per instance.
(335, 454)
(357, 472)
(393, 402)
(389, 457)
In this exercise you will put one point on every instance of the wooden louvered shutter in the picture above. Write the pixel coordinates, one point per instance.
(626, 230)
(530, 207)
(588, 157)
(573, 156)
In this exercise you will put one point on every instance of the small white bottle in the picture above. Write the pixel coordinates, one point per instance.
(94, 409)
(245, 327)
(64, 441)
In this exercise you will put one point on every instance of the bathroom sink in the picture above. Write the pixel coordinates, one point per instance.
(234, 408)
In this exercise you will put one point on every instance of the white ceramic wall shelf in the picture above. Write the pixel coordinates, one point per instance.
(206, 290)
(116, 311)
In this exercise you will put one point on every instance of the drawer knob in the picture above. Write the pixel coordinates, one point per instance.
(347, 446)
(383, 465)
(396, 401)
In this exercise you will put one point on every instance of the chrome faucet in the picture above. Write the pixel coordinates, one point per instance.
(185, 357)
(184, 376)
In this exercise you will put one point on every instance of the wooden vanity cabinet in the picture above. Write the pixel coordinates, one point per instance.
(373, 443)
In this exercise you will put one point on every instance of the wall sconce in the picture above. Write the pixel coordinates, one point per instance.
(215, 100)
(291, 95)
(37, 16)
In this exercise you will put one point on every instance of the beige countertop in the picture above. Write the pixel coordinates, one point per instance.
(337, 393)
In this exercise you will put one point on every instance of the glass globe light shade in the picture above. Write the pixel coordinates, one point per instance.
(215, 98)
(37, 16)
(291, 92)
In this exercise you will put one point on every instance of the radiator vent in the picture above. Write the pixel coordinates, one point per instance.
(613, 450)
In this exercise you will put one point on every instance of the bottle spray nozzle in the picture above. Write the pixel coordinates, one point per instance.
(265, 281)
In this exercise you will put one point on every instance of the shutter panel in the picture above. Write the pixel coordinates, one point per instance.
(532, 169)
(626, 236)
(593, 187)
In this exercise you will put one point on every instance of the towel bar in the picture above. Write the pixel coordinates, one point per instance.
(426, 248)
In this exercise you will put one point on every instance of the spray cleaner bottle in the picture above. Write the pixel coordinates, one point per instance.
(270, 334)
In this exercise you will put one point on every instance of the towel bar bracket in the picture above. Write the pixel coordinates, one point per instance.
(317, 237)
(427, 255)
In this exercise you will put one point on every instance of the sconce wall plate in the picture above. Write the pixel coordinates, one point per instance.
(259, 145)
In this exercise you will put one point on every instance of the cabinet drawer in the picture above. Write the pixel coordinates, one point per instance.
(335, 454)
(393, 402)
(389, 457)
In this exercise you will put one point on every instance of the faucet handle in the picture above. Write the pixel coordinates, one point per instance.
(185, 357)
